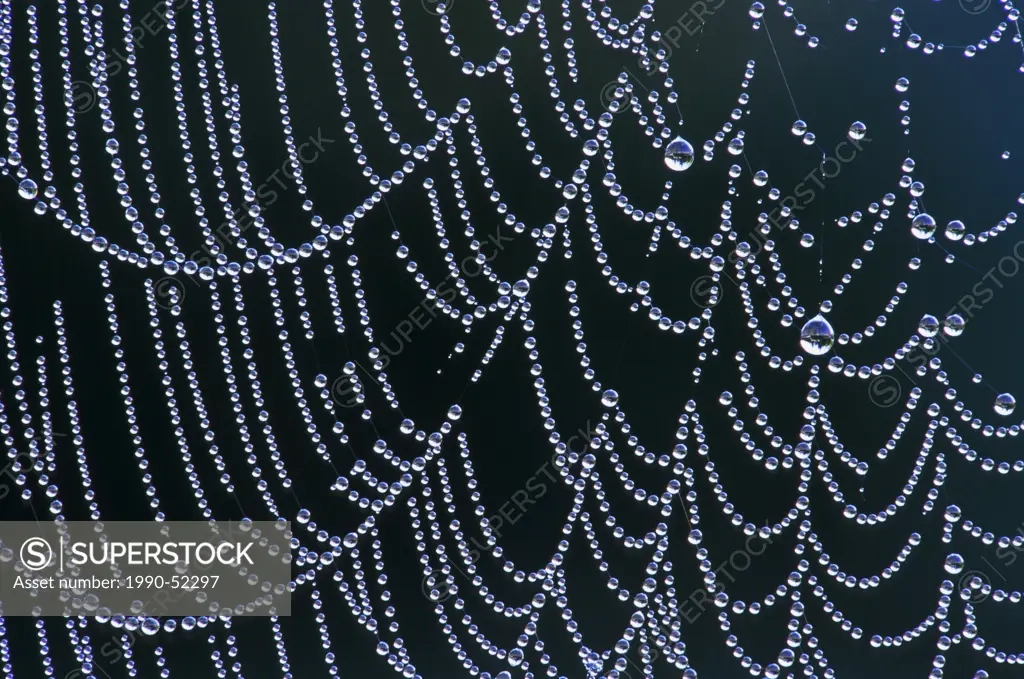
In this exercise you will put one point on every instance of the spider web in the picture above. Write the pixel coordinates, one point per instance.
(227, 309)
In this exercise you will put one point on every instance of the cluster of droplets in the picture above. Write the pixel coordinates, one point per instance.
(1007, 22)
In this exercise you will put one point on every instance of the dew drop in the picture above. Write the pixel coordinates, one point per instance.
(27, 189)
(817, 336)
(1005, 404)
(679, 155)
(955, 230)
(953, 325)
(928, 326)
(923, 226)
(150, 626)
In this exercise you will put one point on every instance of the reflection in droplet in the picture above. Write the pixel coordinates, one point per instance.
(1005, 404)
(923, 226)
(929, 326)
(954, 325)
(150, 626)
(679, 155)
(955, 230)
(817, 336)
(27, 189)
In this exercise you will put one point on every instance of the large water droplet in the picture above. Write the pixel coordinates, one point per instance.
(610, 398)
(923, 226)
(955, 230)
(27, 189)
(817, 336)
(678, 155)
(954, 325)
(1005, 403)
(929, 326)
(954, 564)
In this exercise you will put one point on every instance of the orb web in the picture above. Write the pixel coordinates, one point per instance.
(249, 268)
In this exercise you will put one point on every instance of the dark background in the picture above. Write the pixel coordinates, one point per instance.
(963, 114)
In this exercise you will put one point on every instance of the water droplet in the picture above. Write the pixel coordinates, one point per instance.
(929, 326)
(923, 226)
(678, 155)
(1005, 403)
(610, 398)
(27, 189)
(858, 131)
(955, 230)
(953, 325)
(954, 564)
(817, 336)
